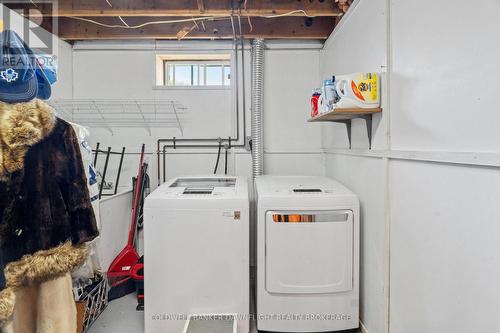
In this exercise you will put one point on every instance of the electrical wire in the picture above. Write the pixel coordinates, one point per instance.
(248, 17)
(210, 18)
(121, 19)
(250, 23)
(289, 13)
(218, 157)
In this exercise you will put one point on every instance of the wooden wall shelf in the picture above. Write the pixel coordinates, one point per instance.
(345, 116)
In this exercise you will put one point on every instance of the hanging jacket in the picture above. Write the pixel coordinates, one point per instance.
(45, 212)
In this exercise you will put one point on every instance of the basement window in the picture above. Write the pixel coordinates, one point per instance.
(193, 71)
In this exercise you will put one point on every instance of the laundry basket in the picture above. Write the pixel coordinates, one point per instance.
(94, 296)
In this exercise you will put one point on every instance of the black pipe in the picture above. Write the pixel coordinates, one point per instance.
(96, 153)
(225, 162)
(103, 180)
(119, 170)
(158, 160)
(176, 146)
(163, 151)
(165, 163)
(218, 158)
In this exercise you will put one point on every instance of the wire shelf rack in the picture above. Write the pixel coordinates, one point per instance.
(111, 114)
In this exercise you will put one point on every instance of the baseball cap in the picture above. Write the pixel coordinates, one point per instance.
(49, 66)
(44, 89)
(43, 82)
(18, 81)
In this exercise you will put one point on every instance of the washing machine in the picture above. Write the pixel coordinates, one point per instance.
(196, 243)
(307, 255)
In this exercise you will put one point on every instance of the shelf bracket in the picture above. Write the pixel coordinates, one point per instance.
(347, 123)
(368, 120)
(345, 115)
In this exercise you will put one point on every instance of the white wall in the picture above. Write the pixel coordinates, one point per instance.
(63, 88)
(429, 187)
(353, 48)
(127, 70)
(444, 234)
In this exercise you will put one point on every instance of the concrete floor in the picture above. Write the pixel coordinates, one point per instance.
(121, 316)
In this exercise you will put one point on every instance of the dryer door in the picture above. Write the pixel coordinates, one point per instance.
(309, 252)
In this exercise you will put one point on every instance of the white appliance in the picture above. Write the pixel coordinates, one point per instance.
(307, 255)
(196, 244)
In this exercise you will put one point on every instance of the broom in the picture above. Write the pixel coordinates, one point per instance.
(119, 272)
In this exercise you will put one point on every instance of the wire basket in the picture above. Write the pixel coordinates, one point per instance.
(95, 296)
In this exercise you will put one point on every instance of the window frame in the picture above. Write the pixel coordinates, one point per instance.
(202, 63)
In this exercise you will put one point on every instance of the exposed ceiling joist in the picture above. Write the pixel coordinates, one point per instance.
(108, 19)
(284, 27)
(185, 8)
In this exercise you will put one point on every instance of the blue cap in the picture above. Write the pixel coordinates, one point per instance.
(43, 83)
(18, 81)
(48, 67)
(44, 89)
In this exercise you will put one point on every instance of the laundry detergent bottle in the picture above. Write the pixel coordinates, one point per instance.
(360, 90)
(327, 97)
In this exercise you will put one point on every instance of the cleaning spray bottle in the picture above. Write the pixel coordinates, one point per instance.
(327, 98)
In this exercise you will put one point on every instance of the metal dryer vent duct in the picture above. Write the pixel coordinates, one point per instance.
(257, 105)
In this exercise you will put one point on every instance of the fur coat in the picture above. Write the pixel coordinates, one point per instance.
(45, 211)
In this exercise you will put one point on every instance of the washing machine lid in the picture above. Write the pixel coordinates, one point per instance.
(208, 186)
(196, 182)
(300, 186)
(202, 187)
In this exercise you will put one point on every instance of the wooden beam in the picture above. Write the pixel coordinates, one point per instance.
(182, 8)
(285, 27)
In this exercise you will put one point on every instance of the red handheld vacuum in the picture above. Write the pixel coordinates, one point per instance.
(120, 270)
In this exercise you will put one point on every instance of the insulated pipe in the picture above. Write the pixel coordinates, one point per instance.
(257, 107)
